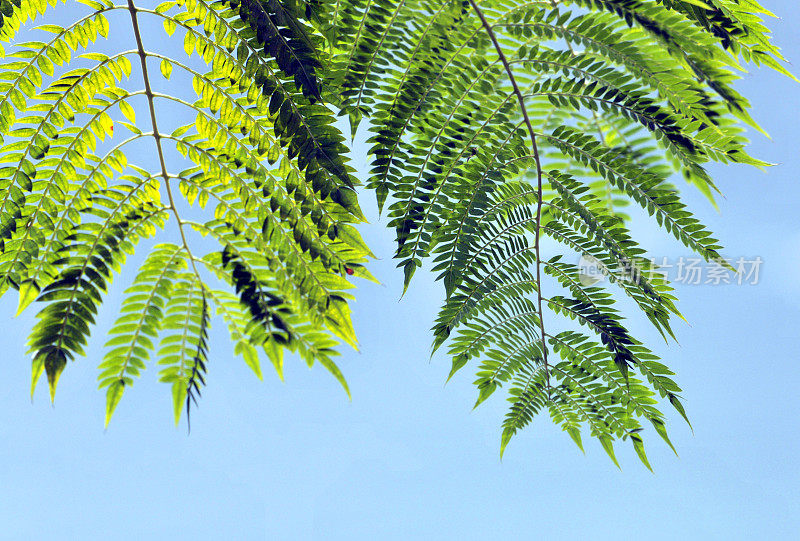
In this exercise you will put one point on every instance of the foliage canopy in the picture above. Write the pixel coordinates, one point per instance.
(493, 124)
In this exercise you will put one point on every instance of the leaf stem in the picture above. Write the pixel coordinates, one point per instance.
(148, 91)
(535, 148)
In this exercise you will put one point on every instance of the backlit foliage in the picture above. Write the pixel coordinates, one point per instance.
(493, 125)
(265, 160)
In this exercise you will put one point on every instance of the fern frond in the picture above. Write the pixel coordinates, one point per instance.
(260, 145)
(88, 259)
(183, 348)
(141, 319)
(493, 125)
(499, 122)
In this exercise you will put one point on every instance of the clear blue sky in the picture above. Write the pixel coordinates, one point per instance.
(407, 458)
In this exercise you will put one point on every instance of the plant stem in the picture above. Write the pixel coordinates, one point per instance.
(535, 148)
(148, 91)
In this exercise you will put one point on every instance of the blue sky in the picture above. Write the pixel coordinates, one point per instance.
(407, 458)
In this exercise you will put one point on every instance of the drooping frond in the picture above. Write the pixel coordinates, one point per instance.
(499, 129)
(140, 321)
(183, 347)
(498, 122)
(265, 178)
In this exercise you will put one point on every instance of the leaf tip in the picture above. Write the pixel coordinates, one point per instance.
(54, 365)
(28, 291)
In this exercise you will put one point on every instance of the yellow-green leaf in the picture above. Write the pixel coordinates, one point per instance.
(46, 65)
(37, 368)
(113, 395)
(107, 124)
(169, 26)
(275, 354)
(166, 68)
(178, 399)
(250, 356)
(608, 445)
(326, 361)
(28, 291)
(127, 110)
(638, 444)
